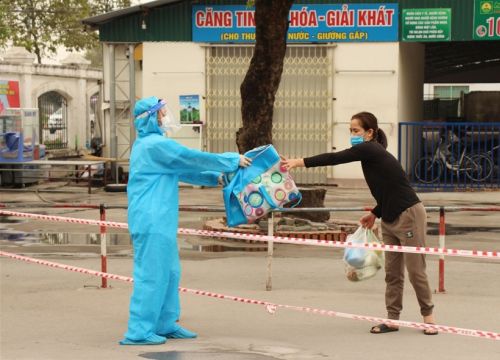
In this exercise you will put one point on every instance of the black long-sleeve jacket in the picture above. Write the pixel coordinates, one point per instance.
(383, 173)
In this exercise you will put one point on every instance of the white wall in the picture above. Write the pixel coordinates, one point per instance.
(73, 83)
(365, 78)
(171, 69)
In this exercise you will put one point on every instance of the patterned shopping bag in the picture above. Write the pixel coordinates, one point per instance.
(253, 192)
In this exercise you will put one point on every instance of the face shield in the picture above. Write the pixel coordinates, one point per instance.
(169, 122)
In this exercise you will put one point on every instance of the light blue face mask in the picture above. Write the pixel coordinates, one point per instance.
(357, 139)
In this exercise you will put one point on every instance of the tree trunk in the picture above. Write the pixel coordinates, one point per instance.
(263, 77)
(311, 198)
(38, 55)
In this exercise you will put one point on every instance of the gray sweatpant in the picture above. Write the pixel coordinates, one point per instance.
(409, 229)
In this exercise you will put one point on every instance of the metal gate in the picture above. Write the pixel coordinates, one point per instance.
(302, 121)
(53, 120)
(450, 155)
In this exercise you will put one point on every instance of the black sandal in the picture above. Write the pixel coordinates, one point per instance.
(382, 329)
(430, 331)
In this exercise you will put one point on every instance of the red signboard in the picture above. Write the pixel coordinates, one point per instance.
(9, 95)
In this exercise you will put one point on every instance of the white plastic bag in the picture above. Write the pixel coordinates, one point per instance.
(361, 264)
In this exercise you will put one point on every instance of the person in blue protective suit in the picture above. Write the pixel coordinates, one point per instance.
(157, 164)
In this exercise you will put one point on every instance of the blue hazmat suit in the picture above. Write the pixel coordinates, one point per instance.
(157, 164)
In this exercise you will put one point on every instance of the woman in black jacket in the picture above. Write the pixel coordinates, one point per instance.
(403, 215)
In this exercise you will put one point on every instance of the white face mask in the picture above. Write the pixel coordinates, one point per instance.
(169, 122)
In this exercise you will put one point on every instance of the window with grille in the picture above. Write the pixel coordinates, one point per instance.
(53, 110)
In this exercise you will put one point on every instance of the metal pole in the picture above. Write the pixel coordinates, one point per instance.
(442, 233)
(104, 265)
(112, 108)
(270, 247)
(131, 67)
(90, 179)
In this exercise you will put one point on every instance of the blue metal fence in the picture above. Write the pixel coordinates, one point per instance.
(450, 155)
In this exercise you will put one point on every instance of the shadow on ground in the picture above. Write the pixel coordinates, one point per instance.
(197, 355)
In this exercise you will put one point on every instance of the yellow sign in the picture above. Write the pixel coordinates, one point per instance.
(486, 7)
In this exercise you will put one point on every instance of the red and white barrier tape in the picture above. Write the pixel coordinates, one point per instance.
(339, 244)
(65, 219)
(495, 255)
(272, 307)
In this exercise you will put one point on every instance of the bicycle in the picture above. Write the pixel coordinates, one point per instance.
(492, 156)
(429, 169)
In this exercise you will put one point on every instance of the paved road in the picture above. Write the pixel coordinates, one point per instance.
(53, 314)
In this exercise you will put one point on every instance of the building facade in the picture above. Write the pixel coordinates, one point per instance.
(342, 58)
(66, 96)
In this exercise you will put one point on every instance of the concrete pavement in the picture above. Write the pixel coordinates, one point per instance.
(54, 314)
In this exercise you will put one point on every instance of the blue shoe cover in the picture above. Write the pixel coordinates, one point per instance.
(151, 340)
(181, 333)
